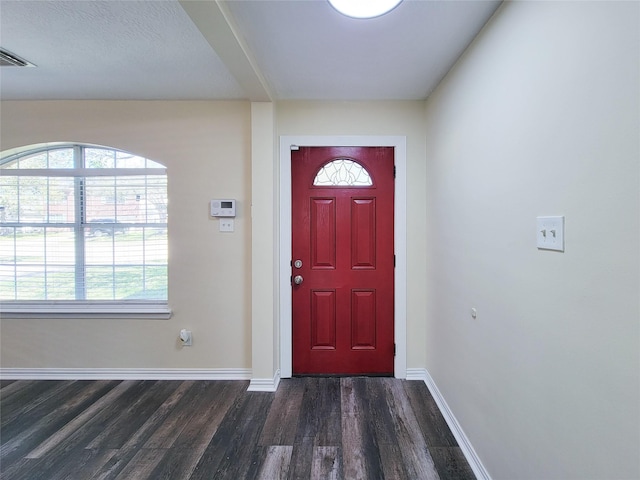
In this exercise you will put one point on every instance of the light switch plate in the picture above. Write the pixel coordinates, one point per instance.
(226, 225)
(550, 233)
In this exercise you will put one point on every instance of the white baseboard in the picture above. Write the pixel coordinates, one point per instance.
(463, 442)
(125, 373)
(265, 384)
(417, 374)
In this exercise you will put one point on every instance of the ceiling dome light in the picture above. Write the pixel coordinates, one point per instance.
(364, 8)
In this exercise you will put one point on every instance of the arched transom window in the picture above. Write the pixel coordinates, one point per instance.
(342, 172)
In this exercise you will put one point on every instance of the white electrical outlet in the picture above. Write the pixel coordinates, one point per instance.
(185, 337)
(550, 233)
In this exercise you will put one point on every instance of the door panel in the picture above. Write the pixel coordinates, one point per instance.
(343, 235)
(323, 232)
(363, 233)
(323, 320)
(363, 320)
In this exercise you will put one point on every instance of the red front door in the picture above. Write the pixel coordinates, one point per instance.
(343, 260)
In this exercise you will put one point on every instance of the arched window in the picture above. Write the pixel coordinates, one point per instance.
(342, 172)
(82, 225)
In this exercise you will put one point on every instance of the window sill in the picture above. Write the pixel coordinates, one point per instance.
(69, 309)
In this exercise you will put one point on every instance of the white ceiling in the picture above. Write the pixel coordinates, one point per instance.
(238, 49)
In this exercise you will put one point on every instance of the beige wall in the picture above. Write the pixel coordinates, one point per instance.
(380, 118)
(540, 117)
(206, 147)
(264, 216)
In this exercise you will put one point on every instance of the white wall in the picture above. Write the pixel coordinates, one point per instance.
(540, 117)
(382, 119)
(206, 147)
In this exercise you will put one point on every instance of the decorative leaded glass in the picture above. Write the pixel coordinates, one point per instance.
(342, 172)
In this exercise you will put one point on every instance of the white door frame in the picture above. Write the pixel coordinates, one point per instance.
(400, 239)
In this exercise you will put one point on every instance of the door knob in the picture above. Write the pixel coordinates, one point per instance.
(298, 279)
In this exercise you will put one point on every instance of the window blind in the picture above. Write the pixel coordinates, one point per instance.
(92, 229)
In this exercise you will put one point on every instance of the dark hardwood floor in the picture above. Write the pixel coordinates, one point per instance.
(320, 428)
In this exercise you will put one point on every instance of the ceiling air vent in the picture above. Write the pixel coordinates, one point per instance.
(8, 59)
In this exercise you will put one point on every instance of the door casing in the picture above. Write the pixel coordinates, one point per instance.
(400, 240)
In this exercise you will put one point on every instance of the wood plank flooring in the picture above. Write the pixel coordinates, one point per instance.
(311, 428)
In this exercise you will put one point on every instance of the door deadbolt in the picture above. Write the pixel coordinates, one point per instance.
(297, 264)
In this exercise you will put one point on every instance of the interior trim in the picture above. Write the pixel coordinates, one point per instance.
(464, 443)
(400, 238)
(125, 373)
(265, 384)
(148, 310)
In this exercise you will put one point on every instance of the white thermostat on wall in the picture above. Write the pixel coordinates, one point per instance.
(223, 208)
